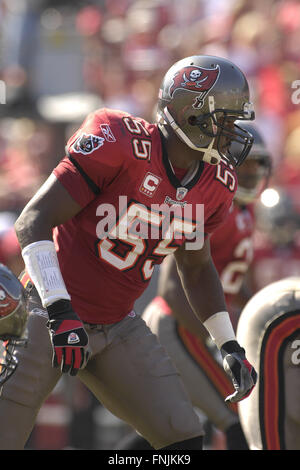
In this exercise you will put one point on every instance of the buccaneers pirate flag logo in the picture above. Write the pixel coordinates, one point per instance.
(7, 303)
(196, 79)
(87, 143)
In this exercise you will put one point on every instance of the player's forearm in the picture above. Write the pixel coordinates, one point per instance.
(181, 309)
(203, 289)
(34, 231)
(35, 236)
(171, 290)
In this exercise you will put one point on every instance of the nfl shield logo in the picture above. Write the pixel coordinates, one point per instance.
(73, 338)
(180, 193)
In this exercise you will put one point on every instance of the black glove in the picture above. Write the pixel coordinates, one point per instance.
(241, 372)
(68, 337)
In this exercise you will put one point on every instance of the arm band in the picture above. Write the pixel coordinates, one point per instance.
(220, 328)
(42, 265)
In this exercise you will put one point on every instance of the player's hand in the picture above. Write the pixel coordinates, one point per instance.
(241, 372)
(68, 337)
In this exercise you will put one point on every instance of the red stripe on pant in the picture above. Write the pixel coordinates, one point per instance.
(208, 364)
(24, 279)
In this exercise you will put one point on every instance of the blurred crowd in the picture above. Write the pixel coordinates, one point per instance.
(60, 59)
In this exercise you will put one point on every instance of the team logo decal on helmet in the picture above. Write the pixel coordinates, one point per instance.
(195, 79)
(7, 303)
(87, 143)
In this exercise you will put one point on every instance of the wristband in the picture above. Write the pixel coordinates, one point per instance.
(42, 265)
(59, 307)
(220, 328)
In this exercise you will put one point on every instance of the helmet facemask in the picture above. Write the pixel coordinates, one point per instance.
(220, 127)
(8, 360)
(254, 174)
(277, 217)
(246, 194)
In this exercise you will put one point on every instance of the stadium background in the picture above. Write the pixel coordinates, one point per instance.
(60, 59)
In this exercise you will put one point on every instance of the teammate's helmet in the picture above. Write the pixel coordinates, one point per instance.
(277, 216)
(253, 175)
(200, 96)
(13, 319)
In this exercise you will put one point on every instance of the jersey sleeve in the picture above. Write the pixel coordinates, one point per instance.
(95, 155)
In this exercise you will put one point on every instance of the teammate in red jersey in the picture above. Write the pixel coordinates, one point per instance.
(180, 332)
(277, 239)
(92, 234)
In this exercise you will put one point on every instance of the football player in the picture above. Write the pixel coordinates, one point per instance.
(171, 318)
(90, 238)
(13, 320)
(277, 240)
(269, 327)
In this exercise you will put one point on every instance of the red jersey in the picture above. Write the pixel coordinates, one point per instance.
(272, 263)
(118, 171)
(232, 249)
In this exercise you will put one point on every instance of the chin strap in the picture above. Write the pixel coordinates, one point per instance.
(210, 155)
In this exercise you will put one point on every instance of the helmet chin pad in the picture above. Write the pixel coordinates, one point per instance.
(210, 155)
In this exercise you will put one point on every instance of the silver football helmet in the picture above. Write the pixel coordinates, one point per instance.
(200, 98)
(13, 319)
(277, 216)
